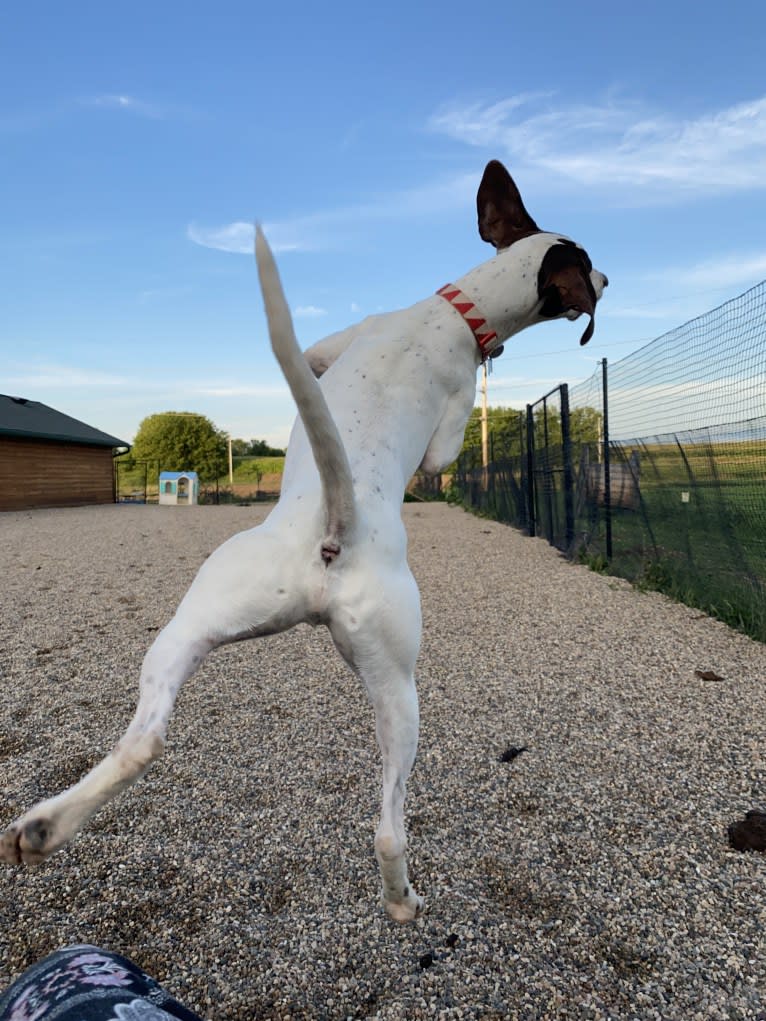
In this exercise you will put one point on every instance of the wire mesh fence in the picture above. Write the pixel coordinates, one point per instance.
(653, 468)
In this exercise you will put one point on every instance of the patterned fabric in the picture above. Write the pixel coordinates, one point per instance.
(84, 983)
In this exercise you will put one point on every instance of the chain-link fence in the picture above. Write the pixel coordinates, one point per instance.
(655, 467)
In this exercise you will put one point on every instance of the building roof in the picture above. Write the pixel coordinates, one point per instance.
(34, 421)
(178, 475)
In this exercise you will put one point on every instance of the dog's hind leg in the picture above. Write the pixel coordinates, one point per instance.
(396, 726)
(380, 640)
(245, 570)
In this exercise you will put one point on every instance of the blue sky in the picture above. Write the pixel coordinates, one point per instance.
(139, 141)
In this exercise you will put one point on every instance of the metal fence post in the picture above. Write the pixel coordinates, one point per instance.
(521, 504)
(607, 472)
(566, 450)
(530, 470)
(547, 474)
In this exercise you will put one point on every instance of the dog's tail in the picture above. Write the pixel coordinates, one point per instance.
(329, 453)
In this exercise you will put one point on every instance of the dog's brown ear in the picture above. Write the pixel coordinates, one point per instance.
(502, 216)
(564, 284)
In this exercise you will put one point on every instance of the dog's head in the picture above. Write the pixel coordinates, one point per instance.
(567, 283)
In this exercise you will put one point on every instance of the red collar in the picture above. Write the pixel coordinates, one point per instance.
(478, 324)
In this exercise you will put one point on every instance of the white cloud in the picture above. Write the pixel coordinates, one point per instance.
(498, 382)
(239, 237)
(236, 390)
(231, 237)
(332, 228)
(655, 310)
(734, 270)
(122, 101)
(643, 406)
(620, 145)
(309, 312)
(674, 294)
(154, 294)
(62, 377)
(67, 377)
(38, 117)
(625, 150)
(653, 409)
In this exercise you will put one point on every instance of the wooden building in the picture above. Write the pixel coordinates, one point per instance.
(48, 459)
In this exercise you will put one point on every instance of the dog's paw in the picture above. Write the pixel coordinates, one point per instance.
(407, 909)
(28, 842)
(10, 851)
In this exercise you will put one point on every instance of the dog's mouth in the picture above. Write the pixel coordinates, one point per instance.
(565, 287)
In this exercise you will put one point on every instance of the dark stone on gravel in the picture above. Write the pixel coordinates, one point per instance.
(749, 834)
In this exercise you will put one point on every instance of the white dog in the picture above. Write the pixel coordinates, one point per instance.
(395, 394)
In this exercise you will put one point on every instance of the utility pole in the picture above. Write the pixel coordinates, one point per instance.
(231, 465)
(484, 426)
(484, 430)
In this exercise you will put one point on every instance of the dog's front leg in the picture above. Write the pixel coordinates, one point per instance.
(324, 353)
(52, 823)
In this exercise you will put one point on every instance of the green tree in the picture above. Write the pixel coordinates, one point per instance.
(506, 435)
(585, 425)
(502, 427)
(240, 448)
(260, 448)
(254, 448)
(182, 441)
(547, 426)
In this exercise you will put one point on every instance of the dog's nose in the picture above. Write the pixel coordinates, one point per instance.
(606, 279)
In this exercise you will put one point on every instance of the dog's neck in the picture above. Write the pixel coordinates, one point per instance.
(483, 335)
(499, 297)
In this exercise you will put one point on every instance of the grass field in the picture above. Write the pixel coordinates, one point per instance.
(696, 530)
(699, 530)
(252, 469)
(248, 473)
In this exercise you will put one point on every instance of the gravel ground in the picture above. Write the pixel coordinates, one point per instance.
(588, 877)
